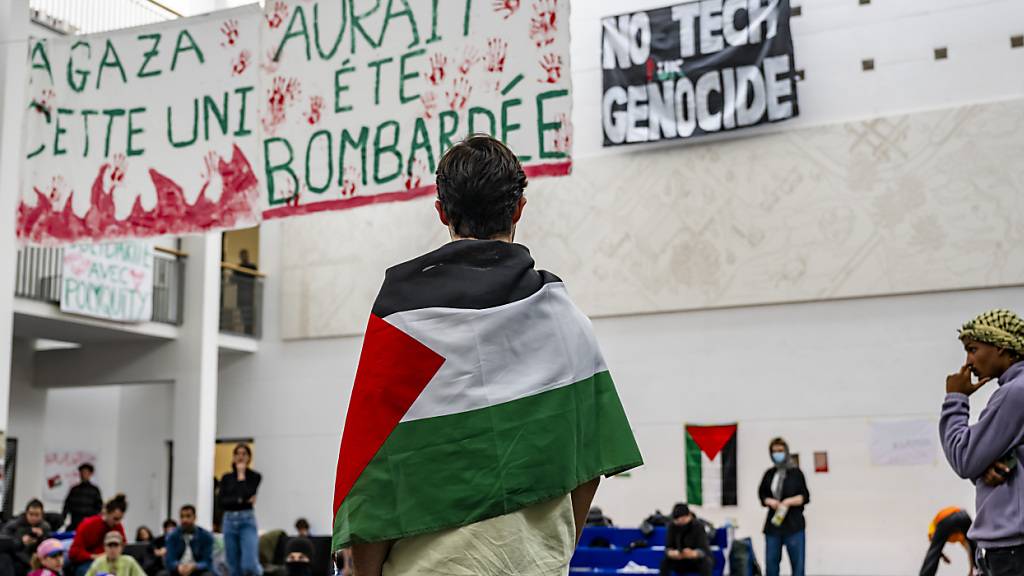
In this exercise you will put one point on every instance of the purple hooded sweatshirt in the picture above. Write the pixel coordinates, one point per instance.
(972, 449)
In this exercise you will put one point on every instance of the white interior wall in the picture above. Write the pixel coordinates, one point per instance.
(27, 424)
(126, 426)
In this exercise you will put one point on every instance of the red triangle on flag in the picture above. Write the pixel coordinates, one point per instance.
(711, 439)
(394, 368)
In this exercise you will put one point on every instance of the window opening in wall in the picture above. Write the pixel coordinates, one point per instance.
(941, 53)
(1017, 41)
(867, 65)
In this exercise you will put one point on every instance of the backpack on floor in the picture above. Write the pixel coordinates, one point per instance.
(742, 561)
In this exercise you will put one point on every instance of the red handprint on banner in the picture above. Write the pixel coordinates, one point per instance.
(283, 94)
(458, 94)
(277, 14)
(350, 182)
(552, 65)
(230, 31)
(470, 56)
(563, 135)
(213, 182)
(241, 63)
(429, 102)
(438, 64)
(269, 65)
(44, 104)
(316, 106)
(114, 177)
(497, 51)
(544, 24)
(414, 178)
(506, 7)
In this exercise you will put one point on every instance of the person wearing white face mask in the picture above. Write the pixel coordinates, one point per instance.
(784, 492)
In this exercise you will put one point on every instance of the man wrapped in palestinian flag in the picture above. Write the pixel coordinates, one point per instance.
(482, 415)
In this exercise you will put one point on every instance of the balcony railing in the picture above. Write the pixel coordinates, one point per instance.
(86, 17)
(241, 301)
(39, 273)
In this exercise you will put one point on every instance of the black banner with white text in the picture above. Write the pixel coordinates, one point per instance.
(696, 68)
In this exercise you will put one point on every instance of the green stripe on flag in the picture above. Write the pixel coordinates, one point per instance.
(454, 470)
(694, 489)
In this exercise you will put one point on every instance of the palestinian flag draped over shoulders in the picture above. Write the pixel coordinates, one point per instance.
(480, 391)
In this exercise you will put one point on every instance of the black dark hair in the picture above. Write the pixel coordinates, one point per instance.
(118, 502)
(34, 503)
(302, 524)
(188, 507)
(170, 522)
(241, 446)
(138, 533)
(479, 184)
(86, 466)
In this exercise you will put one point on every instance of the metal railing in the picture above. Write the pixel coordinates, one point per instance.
(89, 16)
(39, 271)
(241, 301)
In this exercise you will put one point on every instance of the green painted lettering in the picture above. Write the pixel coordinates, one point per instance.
(59, 131)
(149, 55)
(421, 141)
(340, 88)
(545, 127)
(316, 33)
(110, 60)
(111, 114)
(242, 111)
(403, 76)
(81, 74)
(357, 24)
(221, 115)
(407, 13)
(195, 126)
(179, 48)
(327, 161)
(391, 149)
(445, 142)
(132, 131)
(376, 65)
(299, 16)
(478, 111)
(39, 59)
(360, 144)
(272, 168)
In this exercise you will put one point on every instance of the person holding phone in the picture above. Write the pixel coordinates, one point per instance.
(988, 452)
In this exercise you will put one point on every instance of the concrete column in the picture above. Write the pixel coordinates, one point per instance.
(195, 387)
(13, 35)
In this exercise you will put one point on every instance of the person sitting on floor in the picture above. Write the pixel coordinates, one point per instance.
(89, 543)
(299, 560)
(686, 545)
(114, 561)
(48, 559)
(189, 548)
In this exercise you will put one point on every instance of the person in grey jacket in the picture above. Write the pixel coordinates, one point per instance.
(990, 451)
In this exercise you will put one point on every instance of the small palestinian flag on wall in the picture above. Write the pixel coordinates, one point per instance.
(711, 465)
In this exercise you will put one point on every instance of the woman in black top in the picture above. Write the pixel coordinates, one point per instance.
(237, 496)
(784, 492)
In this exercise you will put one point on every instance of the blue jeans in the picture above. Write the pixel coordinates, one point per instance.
(795, 548)
(241, 543)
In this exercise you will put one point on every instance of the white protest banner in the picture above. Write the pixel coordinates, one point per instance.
(903, 442)
(361, 98)
(142, 132)
(113, 280)
(60, 472)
